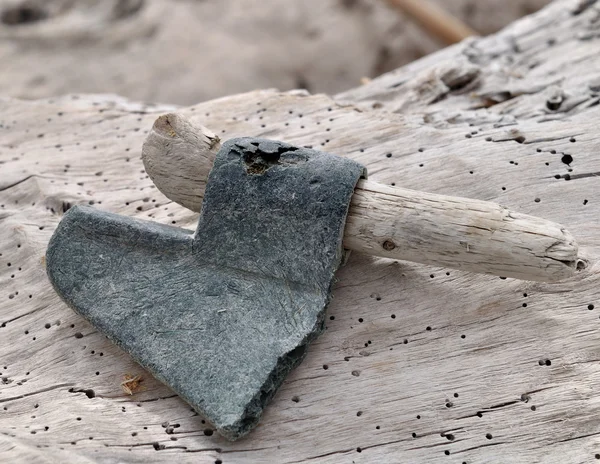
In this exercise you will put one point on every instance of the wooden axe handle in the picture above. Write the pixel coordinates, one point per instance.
(391, 222)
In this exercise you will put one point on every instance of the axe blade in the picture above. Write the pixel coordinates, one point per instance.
(224, 315)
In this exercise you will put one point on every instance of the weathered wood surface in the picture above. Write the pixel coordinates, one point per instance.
(385, 221)
(210, 48)
(543, 67)
(420, 361)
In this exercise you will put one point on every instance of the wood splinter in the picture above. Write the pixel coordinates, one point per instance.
(391, 222)
(131, 384)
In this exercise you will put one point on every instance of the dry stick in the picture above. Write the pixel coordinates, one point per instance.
(435, 20)
(461, 233)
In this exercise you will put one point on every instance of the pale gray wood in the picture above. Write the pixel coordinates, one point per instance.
(495, 369)
(512, 74)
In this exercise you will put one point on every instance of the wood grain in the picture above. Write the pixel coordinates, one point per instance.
(421, 361)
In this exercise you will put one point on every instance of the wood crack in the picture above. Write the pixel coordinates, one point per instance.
(43, 390)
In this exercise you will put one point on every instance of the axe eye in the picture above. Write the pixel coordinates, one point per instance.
(260, 160)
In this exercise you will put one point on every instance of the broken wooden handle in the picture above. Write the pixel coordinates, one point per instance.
(461, 233)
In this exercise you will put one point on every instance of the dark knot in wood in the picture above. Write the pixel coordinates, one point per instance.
(388, 245)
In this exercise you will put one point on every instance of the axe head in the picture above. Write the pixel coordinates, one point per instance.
(222, 315)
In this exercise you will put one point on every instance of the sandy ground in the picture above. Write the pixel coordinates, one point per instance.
(183, 51)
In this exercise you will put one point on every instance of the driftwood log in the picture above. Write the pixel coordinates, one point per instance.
(418, 364)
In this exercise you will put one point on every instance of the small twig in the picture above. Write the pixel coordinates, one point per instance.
(435, 20)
